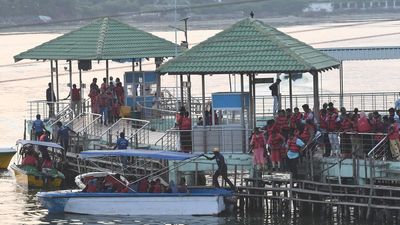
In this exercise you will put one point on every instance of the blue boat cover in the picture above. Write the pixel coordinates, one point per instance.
(154, 154)
(40, 143)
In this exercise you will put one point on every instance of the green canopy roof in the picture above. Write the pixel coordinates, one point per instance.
(249, 46)
(100, 40)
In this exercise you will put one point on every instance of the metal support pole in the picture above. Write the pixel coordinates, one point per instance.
(203, 99)
(251, 103)
(107, 71)
(58, 91)
(341, 83)
(316, 95)
(290, 91)
(190, 96)
(181, 81)
(70, 76)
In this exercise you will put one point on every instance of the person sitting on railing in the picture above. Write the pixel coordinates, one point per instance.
(393, 135)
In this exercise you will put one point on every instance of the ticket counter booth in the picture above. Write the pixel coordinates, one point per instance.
(140, 88)
(229, 128)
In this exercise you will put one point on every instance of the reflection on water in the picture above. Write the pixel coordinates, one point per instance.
(21, 207)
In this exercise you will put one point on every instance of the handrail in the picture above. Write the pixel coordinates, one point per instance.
(91, 123)
(121, 119)
(372, 152)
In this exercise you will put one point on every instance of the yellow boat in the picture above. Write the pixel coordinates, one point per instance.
(32, 176)
(6, 155)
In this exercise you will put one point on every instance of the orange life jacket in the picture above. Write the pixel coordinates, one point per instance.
(292, 145)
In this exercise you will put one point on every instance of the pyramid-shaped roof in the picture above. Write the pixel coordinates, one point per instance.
(103, 39)
(249, 46)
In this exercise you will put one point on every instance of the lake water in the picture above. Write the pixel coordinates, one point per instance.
(27, 81)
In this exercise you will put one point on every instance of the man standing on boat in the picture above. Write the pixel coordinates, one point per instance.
(222, 169)
(275, 94)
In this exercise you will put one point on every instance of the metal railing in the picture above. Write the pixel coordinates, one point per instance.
(43, 108)
(380, 151)
(368, 102)
(199, 140)
(136, 131)
(88, 123)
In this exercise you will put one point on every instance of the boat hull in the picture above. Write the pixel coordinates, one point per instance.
(5, 158)
(31, 181)
(132, 203)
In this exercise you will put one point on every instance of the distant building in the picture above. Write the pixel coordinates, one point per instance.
(319, 7)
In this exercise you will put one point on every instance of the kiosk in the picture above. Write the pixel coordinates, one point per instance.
(226, 127)
(140, 89)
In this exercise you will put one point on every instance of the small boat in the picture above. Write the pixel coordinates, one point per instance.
(6, 155)
(32, 176)
(196, 201)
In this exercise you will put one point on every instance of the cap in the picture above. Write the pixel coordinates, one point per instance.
(216, 149)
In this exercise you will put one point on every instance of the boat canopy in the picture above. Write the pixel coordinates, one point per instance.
(40, 143)
(154, 154)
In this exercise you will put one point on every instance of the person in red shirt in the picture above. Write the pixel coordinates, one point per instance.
(258, 142)
(332, 122)
(114, 183)
(275, 141)
(30, 159)
(119, 92)
(186, 134)
(76, 103)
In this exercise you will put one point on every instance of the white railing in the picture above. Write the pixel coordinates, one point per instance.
(136, 131)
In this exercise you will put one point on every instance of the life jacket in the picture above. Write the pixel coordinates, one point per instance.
(363, 125)
(331, 122)
(393, 132)
(186, 123)
(275, 141)
(282, 122)
(346, 125)
(29, 160)
(47, 164)
(322, 122)
(305, 135)
(75, 94)
(258, 140)
(292, 145)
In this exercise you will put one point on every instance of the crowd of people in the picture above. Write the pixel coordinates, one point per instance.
(115, 184)
(342, 134)
(108, 99)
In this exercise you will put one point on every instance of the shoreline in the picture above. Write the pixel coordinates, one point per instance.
(215, 24)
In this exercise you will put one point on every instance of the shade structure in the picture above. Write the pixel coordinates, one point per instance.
(103, 39)
(250, 47)
(152, 154)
